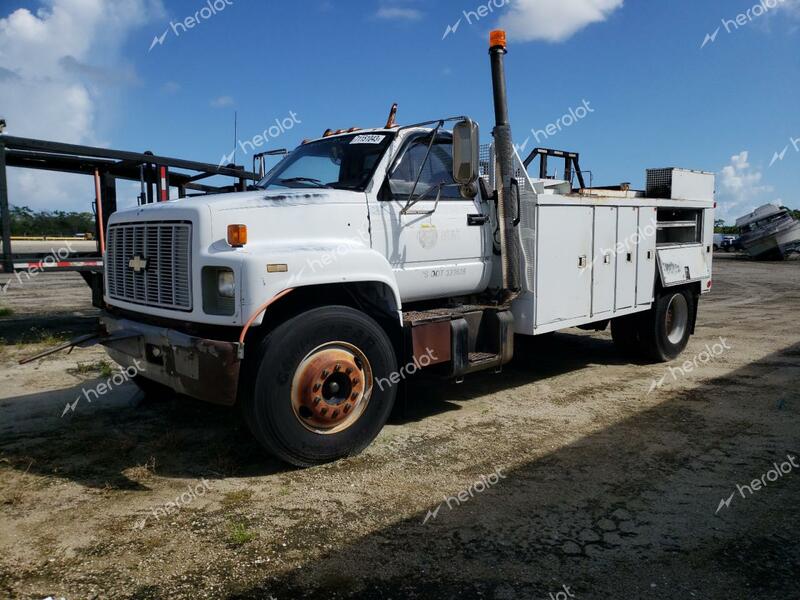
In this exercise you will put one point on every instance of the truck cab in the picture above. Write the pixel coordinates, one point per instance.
(367, 255)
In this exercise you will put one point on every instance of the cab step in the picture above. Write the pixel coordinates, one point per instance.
(469, 339)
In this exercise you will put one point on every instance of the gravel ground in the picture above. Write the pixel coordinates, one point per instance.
(579, 474)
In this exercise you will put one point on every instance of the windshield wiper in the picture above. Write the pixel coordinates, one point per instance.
(316, 182)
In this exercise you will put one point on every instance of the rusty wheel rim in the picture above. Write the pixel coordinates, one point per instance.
(331, 388)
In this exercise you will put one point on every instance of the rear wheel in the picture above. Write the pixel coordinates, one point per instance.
(665, 329)
(315, 390)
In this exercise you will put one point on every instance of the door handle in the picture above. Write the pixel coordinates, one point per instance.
(475, 220)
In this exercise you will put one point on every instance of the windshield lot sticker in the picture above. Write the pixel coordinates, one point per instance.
(368, 139)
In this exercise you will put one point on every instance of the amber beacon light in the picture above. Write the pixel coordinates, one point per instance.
(497, 38)
(237, 235)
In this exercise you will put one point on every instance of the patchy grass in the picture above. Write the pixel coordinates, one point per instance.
(239, 534)
(42, 336)
(101, 367)
(144, 471)
(5, 312)
(236, 499)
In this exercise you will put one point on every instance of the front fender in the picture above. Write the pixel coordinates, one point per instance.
(320, 263)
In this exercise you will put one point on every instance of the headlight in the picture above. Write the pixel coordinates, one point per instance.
(219, 291)
(226, 284)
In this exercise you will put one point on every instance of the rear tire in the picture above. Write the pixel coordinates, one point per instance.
(310, 395)
(666, 328)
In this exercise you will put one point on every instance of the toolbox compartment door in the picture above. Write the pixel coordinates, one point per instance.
(646, 256)
(563, 273)
(682, 264)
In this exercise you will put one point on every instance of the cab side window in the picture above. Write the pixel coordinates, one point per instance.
(438, 170)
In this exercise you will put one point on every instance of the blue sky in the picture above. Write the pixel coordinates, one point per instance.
(83, 71)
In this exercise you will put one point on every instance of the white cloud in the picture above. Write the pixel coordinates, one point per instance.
(740, 189)
(790, 6)
(554, 20)
(398, 13)
(222, 102)
(58, 65)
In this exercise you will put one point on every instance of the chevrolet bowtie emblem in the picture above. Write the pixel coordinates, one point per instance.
(138, 264)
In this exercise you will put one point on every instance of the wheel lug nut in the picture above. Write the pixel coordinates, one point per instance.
(325, 373)
(355, 381)
(323, 411)
(335, 414)
(317, 400)
(317, 386)
(346, 408)
(338, 367)
(354, 396)
(349, 370)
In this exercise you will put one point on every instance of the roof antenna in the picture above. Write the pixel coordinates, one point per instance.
(390, 123)
(2, 125)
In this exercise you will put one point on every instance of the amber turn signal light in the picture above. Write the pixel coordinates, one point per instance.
(237, 235)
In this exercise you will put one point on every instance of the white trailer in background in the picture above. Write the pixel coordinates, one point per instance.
(366, 255)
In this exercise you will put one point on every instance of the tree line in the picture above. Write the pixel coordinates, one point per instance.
(28, 222)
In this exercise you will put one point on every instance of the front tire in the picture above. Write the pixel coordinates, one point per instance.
(666, 328)
(315, 389)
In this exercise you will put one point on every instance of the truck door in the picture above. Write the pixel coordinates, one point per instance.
(436, 249)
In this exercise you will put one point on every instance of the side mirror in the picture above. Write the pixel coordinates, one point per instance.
(465, 152)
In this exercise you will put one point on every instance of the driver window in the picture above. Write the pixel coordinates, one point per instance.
(438, 169)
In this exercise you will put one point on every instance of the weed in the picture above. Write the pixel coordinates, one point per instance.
(239, 534)
(5, 312)
(102, 367)
(143, 471)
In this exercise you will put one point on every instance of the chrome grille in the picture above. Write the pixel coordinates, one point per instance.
(149, 264)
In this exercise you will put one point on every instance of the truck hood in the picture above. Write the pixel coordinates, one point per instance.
(275, 217)
(255, 200)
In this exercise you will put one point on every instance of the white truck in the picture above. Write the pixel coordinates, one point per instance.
(366, 255)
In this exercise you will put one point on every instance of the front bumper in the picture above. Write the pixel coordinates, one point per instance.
(204, 369)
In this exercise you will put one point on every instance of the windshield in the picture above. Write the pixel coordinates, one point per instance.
(343, 162)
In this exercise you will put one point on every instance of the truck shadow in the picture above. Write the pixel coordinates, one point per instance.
(116, 440)
(536, 359)
(120, 439)
(627, 511)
